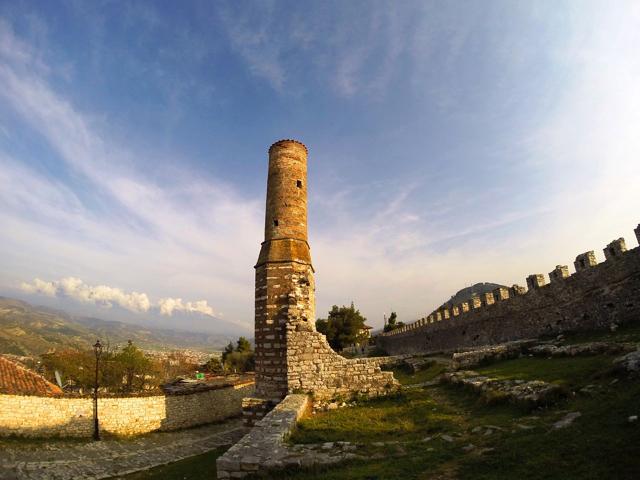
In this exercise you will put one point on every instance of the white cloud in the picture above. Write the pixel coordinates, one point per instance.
(169, 305)
(107, 297)
(39, 286)
(100, 295)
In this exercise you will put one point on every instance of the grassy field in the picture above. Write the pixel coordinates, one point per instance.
(601, 444)
(444, 432)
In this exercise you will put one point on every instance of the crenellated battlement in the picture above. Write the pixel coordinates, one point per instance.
(582, 300)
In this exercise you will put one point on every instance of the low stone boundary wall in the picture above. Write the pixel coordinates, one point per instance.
(33, 416)
(263, 446)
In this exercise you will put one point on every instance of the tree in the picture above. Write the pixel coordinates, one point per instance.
(392, 323)
(239, 359)
(213, 365)
(243, 345)
(344, 326)
(227, 351)
(135, 367)
(77, 368)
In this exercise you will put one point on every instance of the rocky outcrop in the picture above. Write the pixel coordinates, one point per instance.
(630, 362)
(534, 393)
(582, 349)
(479, 356)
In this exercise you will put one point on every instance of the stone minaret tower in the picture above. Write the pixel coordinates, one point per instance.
(284, 275)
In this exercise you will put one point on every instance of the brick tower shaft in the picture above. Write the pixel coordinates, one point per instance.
(284, 274)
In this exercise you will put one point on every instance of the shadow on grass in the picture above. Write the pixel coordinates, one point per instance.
(198, 467)
(568, 371)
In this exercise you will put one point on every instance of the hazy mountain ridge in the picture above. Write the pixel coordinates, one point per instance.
(32, 330)
(466, 293)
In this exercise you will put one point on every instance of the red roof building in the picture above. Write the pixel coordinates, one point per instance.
(17, 380)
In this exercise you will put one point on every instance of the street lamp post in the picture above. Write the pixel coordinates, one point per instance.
(97, 349)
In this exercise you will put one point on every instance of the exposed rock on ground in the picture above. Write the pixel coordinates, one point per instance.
(415, 364)
(510, 350)
(593, 348)
(526, 393)
(477, 356)
(566, 420)
(629, 362)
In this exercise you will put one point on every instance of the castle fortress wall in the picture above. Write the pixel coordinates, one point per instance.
(596, 296)
(34, 416)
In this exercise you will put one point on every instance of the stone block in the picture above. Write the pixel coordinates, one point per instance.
(585, 260)
(500, 294)
(488, 299)
(535, 281)
(559, 273)
(615, 249)
(475, 302)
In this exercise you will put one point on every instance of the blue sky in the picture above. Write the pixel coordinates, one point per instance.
(450, 143)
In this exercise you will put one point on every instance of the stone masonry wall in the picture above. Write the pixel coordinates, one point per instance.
(315, 368)
(34, 416)
(596, 296)
(264, 447)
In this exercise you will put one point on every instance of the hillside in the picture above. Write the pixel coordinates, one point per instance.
(30, 330)
(466, 293)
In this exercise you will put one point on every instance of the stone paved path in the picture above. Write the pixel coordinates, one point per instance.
(71, 459)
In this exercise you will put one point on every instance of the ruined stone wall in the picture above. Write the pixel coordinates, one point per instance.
(34, 416)
(315, 368)
(595, 296)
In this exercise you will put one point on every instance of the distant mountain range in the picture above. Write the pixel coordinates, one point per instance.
(32, 330)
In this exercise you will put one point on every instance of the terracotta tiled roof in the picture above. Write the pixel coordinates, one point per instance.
(17, 380)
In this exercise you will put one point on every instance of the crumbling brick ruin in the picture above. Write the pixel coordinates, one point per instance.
(596, 296)
(291, 356)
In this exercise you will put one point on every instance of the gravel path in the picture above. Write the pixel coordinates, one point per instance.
(75, 459)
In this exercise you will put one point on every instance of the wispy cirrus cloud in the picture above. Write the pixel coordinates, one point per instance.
(487, 146)
(319, 46)
(114, 217)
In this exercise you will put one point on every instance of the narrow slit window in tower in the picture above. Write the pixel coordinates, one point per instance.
(299, 183)
(275, 223)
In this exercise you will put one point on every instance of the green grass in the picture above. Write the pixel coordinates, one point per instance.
(569, 371)
(408, 416)
(199, 467)
(625, 333)
(601, 444)
(428, 374)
